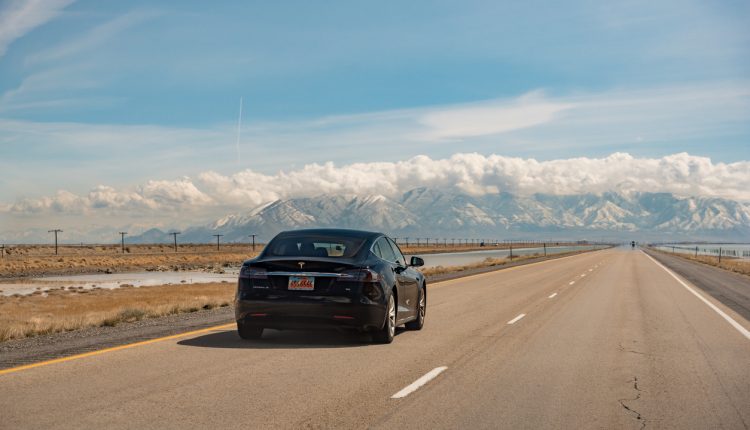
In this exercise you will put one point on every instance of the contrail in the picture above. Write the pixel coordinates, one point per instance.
(239, 130)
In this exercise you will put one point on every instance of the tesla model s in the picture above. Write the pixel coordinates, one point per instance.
(331, 278)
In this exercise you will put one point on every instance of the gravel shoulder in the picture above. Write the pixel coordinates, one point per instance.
(46, 347)
(730, 288)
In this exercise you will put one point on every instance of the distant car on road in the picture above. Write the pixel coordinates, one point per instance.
(331, 278)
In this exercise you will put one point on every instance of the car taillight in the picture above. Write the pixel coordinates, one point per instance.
(372, 292)
(369, 279)
(361, 275)
(249, 272)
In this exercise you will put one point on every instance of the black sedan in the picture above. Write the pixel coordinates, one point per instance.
(330, 278)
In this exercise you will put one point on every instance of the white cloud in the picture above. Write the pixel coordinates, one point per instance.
(20, 17)
(490, 118)
(682, 174)
(177, 193)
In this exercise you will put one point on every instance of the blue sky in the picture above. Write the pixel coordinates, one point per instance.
(117, 94)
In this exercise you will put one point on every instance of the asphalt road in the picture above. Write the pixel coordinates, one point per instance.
(607, 339)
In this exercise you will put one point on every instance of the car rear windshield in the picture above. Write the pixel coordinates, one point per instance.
(314, 246)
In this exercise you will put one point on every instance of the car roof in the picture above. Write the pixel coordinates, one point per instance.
(332, 232)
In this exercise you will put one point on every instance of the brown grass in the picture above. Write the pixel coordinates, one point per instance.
(65, 310)
(728, 263)
(63, 264)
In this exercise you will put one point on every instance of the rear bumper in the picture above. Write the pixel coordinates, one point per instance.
(319, 313)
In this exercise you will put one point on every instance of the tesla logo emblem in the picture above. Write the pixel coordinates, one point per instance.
(301, 264)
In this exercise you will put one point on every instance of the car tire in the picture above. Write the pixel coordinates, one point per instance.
(386, 334)
(418, 323)
(249, 332)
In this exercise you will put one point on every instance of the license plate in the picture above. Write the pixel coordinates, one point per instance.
(304, 283)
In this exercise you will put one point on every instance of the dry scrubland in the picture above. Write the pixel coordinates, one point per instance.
(65, 310)
(35, 264)
(727, 263)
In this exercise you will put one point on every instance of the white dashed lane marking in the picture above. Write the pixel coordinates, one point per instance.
(414, 386)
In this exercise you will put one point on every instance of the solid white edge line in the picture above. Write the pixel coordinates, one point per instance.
(414, 386)
(516, 319)
(721, 313)
(552, 296)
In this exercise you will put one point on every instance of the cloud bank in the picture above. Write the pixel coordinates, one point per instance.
(682, 174)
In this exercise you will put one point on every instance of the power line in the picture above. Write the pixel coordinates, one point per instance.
(122, 237)
(57, 230)
(175, 233)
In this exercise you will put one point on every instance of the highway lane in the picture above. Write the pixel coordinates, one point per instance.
(599, 340)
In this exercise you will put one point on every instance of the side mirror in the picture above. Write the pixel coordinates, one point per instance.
(416, 262)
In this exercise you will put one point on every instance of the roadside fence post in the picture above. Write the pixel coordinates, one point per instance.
(696, 252)
(545, 249)
(719, 255)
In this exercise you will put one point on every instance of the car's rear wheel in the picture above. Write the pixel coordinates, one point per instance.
(386, 334)
(418, 323)
(249, 332)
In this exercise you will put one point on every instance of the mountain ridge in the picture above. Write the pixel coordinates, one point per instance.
(432, 212)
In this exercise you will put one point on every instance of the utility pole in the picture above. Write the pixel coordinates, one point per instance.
(696, 252)
(545, 249)
(175, 233)
(253, 236)
(57, 230)
(2, 251)
(407, 241)
(511, 251)
(122, 239)
(428, 241)
(218, 236)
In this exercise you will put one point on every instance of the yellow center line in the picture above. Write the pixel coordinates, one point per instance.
(112, 349)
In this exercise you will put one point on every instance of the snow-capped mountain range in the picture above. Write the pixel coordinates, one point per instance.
(429, 212)
(425, 212)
